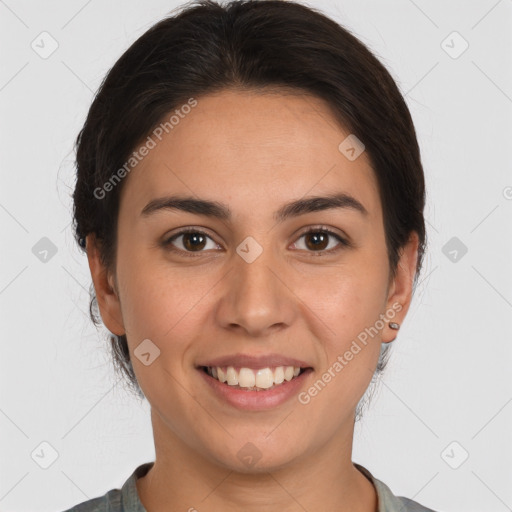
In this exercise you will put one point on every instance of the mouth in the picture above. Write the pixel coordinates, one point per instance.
(254, 379)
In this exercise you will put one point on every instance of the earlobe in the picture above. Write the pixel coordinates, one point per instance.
(104, 286)
(400, 289)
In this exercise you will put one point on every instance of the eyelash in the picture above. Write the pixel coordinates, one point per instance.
(167, 244)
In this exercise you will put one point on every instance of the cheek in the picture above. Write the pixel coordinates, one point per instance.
(349, 302)
(160, 302)
(165, 305)
(349, 307)
(163, 301)
(351, 295)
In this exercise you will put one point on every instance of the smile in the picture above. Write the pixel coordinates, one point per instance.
(250, 396)
(250, 379)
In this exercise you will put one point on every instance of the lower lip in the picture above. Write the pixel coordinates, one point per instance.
(256, 400)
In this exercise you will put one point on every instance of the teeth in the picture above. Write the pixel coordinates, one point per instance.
(247, 378)
(279, 375)
(232, 376)
(263, 378)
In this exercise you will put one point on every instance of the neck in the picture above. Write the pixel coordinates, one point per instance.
(323, 480)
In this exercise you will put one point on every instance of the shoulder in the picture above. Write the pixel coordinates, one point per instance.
(125, 499)
(109, 502)
(412, 506)
(407, 505)
(388, 502)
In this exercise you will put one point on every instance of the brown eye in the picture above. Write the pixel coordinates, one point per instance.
(317, 241)
(320, 240)
(192, 240)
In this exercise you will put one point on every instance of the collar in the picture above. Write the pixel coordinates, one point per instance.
(387, 501)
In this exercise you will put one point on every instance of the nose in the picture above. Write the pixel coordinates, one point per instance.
(256, 298)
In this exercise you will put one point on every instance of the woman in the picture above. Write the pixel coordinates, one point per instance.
(250, 197)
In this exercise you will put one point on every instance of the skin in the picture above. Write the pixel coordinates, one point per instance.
(254, 152)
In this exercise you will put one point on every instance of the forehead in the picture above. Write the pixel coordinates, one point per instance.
(251, 147)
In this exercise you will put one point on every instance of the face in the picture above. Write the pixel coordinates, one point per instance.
(248, 286)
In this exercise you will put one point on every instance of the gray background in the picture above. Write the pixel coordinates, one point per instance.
(447, 391)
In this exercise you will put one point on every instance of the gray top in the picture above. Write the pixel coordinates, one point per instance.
(126, 499)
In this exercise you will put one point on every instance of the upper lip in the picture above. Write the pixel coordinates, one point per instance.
(256, 362)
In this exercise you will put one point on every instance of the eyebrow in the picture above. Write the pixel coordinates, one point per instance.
(221, 211)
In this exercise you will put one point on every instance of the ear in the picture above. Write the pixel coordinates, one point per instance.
(400, 288)
(105, 287)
